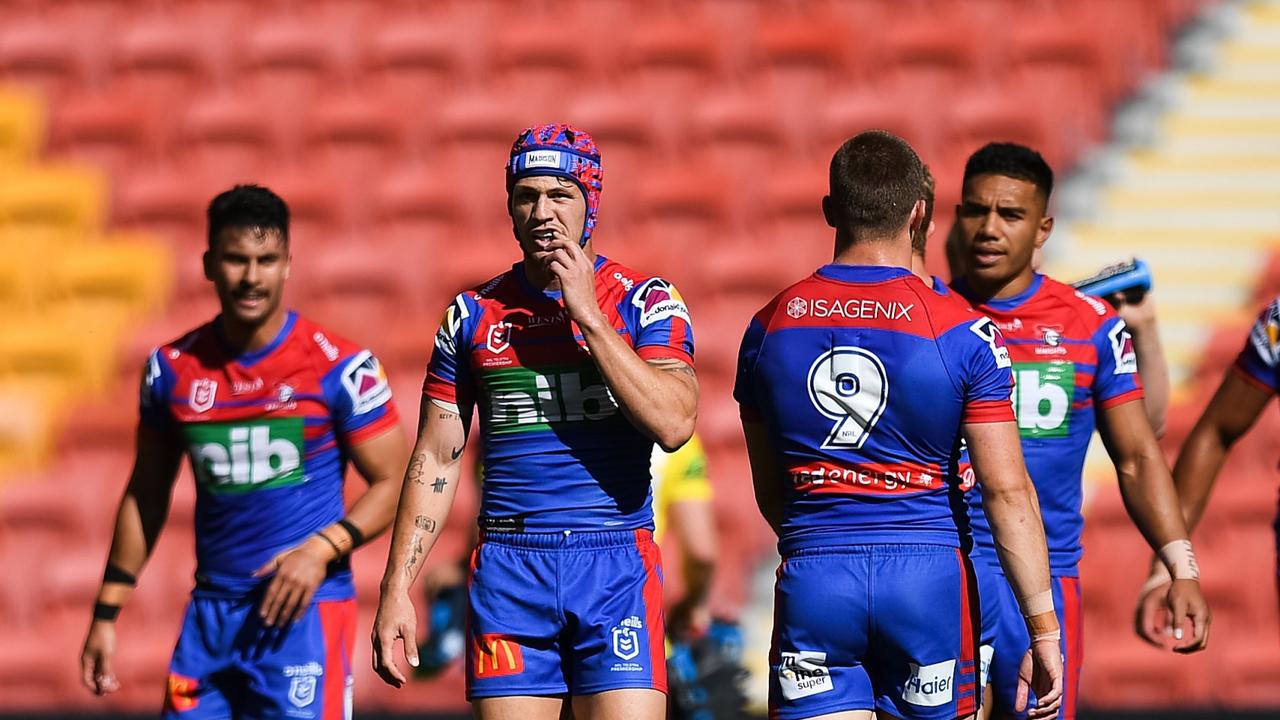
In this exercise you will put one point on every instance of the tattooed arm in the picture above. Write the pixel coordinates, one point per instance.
(430, 484)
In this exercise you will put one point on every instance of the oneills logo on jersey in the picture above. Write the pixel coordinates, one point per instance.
(366, 383)
(203, 393)
(497, 656)
(659, 300)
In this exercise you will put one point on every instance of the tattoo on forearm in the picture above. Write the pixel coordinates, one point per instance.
(422, 522)
(415, 471)
(411, 563)
(439, 485)
(446, 416)
(456, 453)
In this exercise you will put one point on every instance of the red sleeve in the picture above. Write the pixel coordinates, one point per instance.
(988, 411)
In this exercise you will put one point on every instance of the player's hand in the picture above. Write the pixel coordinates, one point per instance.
(97, 660)
(1041, 673)
(1187, 611)
(396, 620)
(688, 620)
(298, 573)
(1137, 316)
(577, 275)
(1151, 616)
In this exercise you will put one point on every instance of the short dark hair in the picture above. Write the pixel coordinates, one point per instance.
(875, 181)
(248, 206)
(1011, 160)
(921, 236)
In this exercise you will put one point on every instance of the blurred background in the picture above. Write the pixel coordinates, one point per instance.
(385, 125)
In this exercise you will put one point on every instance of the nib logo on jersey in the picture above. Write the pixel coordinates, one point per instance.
(240, 457)
(1042, 396)
(523, 400)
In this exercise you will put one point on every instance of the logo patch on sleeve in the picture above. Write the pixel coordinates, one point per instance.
(366, 383)
(451, 324)
(987, 330)
(1265, 335)
(659, 300)
(150, 374)
(804, 673)
(1122, 347)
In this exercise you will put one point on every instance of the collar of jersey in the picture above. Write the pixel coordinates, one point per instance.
(518, 269)
(1009, 303)
(253, 356)
(861, 273)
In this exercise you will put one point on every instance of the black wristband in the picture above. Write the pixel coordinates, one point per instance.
(103, 611)
(114, 574)
(337, 551)
(357, 537)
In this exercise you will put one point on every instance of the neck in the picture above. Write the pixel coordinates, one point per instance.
(981, 290)
(247, 337)
(889, 252)
(919, 270)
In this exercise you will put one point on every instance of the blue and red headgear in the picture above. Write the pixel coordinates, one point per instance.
(560, 150)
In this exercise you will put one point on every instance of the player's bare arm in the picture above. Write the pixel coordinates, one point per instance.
(1149, 496)
(765, 476)
(659, 397)
(1140, 319)
(1235, 407)
(426, 495)
(1009, 500)
(298, 571)
(139, 519)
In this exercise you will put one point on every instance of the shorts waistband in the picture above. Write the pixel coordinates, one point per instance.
(569, 539)
(852, 549)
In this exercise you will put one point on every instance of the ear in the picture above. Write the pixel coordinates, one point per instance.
(1042, 232)
(206, 260)
(829, 211)
(288, 263)
(916, 218)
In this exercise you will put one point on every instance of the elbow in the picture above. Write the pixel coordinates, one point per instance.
(672, 436)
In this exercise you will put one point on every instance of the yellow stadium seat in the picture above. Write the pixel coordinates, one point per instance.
(78, 354)
(69, 199)
(27, 423)
(130, 269)
(22, 126)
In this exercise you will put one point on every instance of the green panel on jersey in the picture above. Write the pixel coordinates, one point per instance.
(237, 457)
(524, 400)
(1042, 397)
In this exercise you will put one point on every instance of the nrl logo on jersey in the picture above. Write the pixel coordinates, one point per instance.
(203, 393)
(659, 300)
(499, 338)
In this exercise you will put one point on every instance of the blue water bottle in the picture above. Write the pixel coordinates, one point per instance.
(1130, 279)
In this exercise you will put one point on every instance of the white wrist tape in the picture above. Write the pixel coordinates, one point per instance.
(1055, 637)
(1037, 604)
(1180, 559)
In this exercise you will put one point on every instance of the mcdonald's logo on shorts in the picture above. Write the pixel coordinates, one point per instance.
(180, 693)
(497, 656)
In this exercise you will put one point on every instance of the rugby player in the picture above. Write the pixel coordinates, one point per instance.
(577, 366)
(1076, 368)
(856, 385)
(270, 408)
(1245, 391)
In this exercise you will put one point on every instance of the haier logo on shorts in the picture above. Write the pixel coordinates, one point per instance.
(930, 685)
(626, 639)
(234, 457)
(522, 400)
(804, 673)
(1042, 396)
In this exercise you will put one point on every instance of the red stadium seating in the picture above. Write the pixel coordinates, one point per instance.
(386, 126)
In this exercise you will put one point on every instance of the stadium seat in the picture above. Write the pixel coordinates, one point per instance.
(129, 270)
(101, 130)
(160, 63)
(162, 201)
(672, 56)
(21, 127)
(289, 64)
(228, 139)
(66, 200)
(40, 55)
(418, 60)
